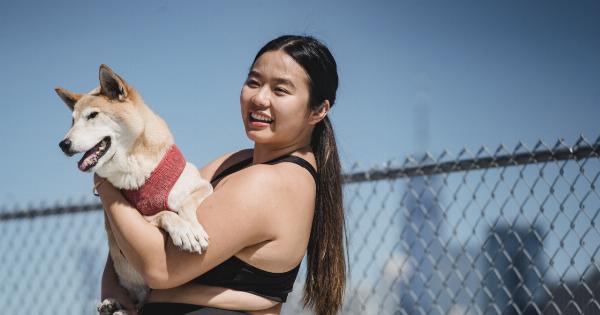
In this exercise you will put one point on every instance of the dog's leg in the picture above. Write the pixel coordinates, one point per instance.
(183, 234)
(188, 212)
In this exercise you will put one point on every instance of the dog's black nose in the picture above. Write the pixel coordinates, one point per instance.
(65, 146)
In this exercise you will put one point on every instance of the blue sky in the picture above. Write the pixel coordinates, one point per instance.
(485, 73)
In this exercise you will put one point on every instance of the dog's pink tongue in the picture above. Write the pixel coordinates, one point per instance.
(87, 160)
(82, 165)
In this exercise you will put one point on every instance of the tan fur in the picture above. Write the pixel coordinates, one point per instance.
(155, 137)
(140, 143)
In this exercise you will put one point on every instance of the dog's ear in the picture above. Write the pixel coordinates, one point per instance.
(69, 98)
(112, 85)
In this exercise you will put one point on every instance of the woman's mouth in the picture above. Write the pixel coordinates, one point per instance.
(259, 120)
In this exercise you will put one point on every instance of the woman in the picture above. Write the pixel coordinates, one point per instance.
(264, 214)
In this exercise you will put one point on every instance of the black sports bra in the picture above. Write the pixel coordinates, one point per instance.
(236, 274)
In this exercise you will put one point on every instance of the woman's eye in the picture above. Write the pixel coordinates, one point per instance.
(281, 91)
(252, 83)
(92, 115)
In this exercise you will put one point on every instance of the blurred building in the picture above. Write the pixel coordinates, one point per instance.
(420, 237)
(575, 297)
(513, 271)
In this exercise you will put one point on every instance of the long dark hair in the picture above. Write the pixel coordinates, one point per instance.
(326, 268)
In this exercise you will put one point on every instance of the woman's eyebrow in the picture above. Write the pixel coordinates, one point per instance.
(285, 81)
(278, 80)
(254, 73)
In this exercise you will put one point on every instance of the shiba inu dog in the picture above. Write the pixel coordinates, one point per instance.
(123, 141)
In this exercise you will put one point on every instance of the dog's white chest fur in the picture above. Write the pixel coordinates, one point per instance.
(189, 191)
(123, 141)
(185, 196)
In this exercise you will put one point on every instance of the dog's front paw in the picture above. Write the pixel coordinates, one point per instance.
(109, 307)
(191, 238)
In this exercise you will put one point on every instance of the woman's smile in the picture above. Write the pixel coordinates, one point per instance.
(274, 99)
(257, 119)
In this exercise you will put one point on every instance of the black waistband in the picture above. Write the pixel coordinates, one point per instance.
(163, 308)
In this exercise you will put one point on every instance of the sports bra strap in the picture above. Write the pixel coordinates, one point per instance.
(285, 158)
(297, 160)
(232, 169)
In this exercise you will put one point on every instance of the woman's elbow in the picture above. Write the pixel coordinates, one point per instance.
(156, 278)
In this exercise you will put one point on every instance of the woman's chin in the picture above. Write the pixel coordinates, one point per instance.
(258, 136)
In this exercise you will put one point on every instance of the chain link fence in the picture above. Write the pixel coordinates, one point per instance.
(505, 231)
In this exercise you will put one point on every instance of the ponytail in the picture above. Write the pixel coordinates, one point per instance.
(326, 268)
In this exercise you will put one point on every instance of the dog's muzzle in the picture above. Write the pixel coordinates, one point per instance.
(65, 146)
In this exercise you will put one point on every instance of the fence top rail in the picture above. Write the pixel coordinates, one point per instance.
(483, 159)
(47, 211)
(425, 166)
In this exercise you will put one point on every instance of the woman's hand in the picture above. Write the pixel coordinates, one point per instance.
(112, 289)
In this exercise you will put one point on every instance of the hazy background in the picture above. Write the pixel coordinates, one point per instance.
(414, 75)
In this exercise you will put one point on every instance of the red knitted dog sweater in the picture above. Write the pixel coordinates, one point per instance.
(151, 197)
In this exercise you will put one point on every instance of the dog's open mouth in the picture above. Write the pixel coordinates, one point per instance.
(90, 158)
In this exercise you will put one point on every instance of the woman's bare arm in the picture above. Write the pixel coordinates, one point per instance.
(235, 217)
(193, 293)
(190, 293)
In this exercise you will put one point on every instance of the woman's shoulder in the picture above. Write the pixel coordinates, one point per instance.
(293, 174)
(283, 179)
(273, 193)
(223, 162)
(288, 177)
(290, 181)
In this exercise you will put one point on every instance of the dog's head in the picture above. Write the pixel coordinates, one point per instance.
(105, 120)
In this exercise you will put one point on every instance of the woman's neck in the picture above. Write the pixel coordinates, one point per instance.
(264, 153)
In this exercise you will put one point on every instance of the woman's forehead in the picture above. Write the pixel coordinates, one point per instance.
(278, 64)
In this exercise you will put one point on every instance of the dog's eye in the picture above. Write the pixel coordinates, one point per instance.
(92, 115)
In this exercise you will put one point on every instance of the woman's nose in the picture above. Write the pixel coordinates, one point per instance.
(262, 97)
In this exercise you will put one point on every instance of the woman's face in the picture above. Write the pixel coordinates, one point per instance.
(274, 101)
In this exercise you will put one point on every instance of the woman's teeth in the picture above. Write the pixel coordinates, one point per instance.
(261, 118)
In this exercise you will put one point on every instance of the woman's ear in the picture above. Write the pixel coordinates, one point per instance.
(319, 113)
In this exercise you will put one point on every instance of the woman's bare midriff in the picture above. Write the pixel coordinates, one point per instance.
(192, 293)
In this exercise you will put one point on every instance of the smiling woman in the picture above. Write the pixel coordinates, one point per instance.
(271, 103)
(270, 205)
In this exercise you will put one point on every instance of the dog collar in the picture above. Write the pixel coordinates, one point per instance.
(152, 196)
